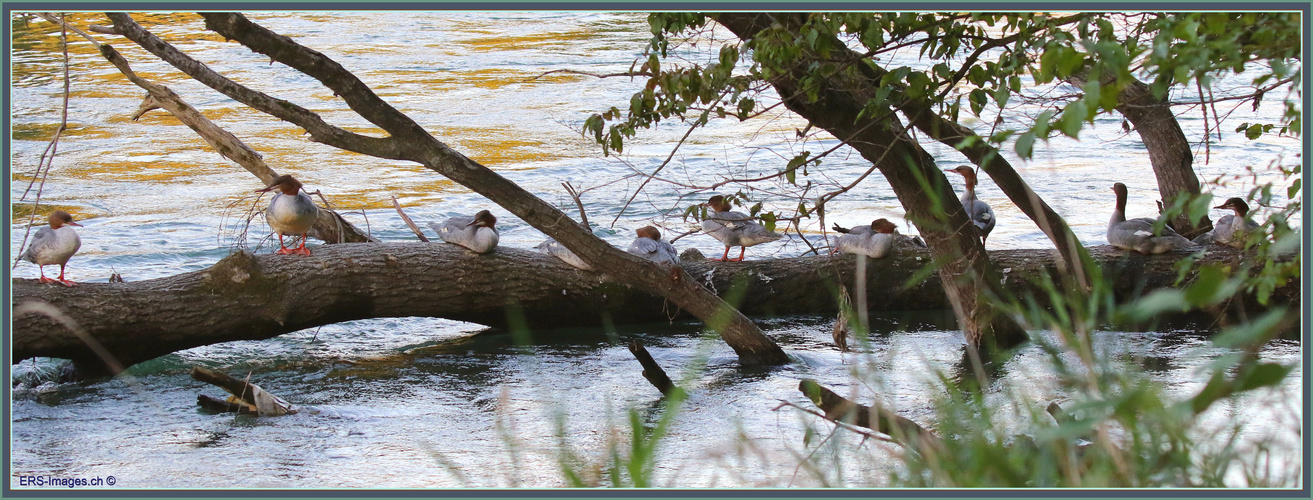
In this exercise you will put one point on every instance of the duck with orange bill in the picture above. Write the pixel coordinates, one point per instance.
(978, 211)
(734, 229)
(54, 245)
(477, 233)
(290, 212)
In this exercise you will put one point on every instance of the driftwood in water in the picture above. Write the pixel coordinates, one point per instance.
(247, 397)
(254, 297)
(876, 417)
(651, 370)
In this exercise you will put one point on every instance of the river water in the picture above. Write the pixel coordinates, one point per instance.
(417, 402)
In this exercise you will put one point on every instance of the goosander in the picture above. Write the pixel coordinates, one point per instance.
(1230, 230)
(648, 245)
(290, 212)
(875, 241)
(54, 245)
(1137, 234)
(734, 229)
(556, 249)
(979, 212)
(477, 233)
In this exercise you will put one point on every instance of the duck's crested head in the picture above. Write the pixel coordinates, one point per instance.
(484, 218)
(284, 183)
(965, 171)
(883, 226)
(1237, 204)
(61, 218)
(649, 232)
(718, 203)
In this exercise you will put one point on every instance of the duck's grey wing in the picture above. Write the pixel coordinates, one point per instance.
(643, 247)
(43, 238)
(982, 215)
(667, 253)
(452, 228)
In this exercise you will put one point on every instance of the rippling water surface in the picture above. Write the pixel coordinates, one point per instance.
(421, 402)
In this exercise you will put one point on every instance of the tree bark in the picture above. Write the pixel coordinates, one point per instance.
(991, 160)
(250, 297)
(1169, 149)
(921, 188)
(409, 141)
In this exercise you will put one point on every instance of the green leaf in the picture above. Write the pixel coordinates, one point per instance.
(979, 98)
(1264, 375)
(1210, 286)
(767, 219)
(1156, 303)
(1293, 189)
(745, 108)
(1254, 131)
(1073, 116)
(1025, 143)
(1001, 96)
(617, 142)
(1246, 334)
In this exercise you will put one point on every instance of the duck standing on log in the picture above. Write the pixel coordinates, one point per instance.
(54, 245)
(1230, 230)
(290, 212)
(979, 212)
(477, 233)
(1137, 234)
(734, 229)
(648, 245)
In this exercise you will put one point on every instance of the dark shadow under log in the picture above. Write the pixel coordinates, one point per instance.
(254, 297)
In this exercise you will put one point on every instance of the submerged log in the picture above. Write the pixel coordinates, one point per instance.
(254, 297)
(651, 370)
(246, 397)
(875, 417)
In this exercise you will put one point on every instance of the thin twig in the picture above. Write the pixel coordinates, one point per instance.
(569, 188)
(44, 163)
(405, 218)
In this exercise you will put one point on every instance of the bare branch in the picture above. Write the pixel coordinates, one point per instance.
(319, 130)
(405, 218)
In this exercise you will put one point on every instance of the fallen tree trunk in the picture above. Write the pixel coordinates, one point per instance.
(250, 297)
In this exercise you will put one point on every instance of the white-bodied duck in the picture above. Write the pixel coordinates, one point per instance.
(1138, 234)
(477, 233)
(875, 241)
(290, 212)
(54, 245)
(734, 229)
(648, 245)
(979, 212)
(556, 249)
(1230, 230)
